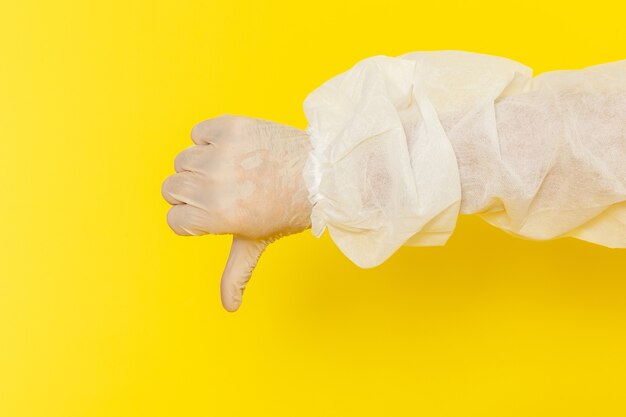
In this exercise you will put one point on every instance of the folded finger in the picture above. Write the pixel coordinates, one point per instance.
(194, 158)
(181, 188)
(186, 220)
(208, 130)
(220, 127)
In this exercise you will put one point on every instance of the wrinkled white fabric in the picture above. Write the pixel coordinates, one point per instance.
(402, 145)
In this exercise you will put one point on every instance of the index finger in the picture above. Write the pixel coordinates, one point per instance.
(209, 130)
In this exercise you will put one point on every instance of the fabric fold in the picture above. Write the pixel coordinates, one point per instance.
(381, 167)
(402, 145)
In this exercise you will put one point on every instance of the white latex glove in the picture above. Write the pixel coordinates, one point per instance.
(242, 177)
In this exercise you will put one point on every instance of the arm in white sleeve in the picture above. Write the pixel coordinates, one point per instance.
(402, 145)
(382, 172)
(562, 159)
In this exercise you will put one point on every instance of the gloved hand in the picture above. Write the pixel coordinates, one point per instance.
(242, 177)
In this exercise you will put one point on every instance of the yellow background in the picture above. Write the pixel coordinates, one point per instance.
(104, 311)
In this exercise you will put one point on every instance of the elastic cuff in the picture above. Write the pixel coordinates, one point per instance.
(315, 165)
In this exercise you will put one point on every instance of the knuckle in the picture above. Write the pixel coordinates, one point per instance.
(172, 219)
(178, 220)
(172, 183)
(197, 129)
(166, 186)
(238, 125)
(181, 161)
(195, 132)
(225, 125)
(203, 131)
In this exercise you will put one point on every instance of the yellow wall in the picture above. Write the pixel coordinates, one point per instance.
(104, 311)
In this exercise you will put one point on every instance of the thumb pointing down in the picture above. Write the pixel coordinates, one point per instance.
(242, 259)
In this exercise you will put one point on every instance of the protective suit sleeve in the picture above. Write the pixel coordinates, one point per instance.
(402, 145)
(382, 171)
(560, 166)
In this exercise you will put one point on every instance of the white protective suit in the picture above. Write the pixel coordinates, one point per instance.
(402, 145)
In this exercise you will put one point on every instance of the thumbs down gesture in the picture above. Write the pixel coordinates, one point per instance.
(242, 177)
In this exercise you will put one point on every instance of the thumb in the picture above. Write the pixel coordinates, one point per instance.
(243, 257)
